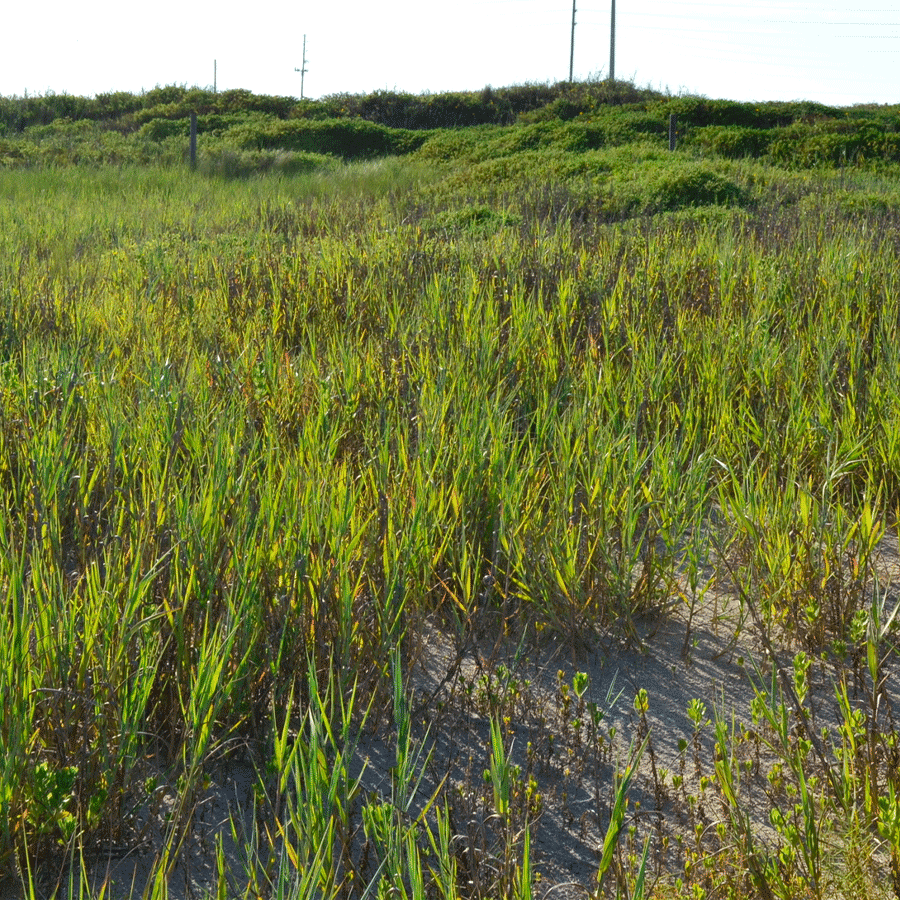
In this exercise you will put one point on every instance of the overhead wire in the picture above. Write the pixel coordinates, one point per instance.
(746, 36)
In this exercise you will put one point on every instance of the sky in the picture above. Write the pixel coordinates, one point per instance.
(831, 52)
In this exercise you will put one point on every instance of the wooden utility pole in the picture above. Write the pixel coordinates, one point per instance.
(572, 47)
(612, 42)
(302, 70)
(214, 77)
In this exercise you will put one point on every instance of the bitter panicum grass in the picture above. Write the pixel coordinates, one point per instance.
(252, 432)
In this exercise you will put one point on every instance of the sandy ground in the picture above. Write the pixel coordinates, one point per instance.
(454, 696)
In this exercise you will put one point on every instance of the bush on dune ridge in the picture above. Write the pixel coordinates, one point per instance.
(467, 126)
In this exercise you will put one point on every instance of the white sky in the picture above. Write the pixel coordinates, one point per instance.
(767, 50)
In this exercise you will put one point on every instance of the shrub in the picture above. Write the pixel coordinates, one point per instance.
(733, 142)
(423, 111)
(242, 128)
(700, 112)
(611, 129)
(158, 96)
(866, 203)
(453, 145)
(160, 129)
(691, 185)
(309, 109)
(478, 220)
(237, 101)
(115, 105)
(289, 163)
(231, 164)
(12, 155)
(347, 138)
(500, 106)
(834, 144)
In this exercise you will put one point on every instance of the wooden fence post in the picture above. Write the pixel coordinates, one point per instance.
(193, 140)
(673, 130)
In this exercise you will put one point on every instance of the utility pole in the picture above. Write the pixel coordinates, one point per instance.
(302, 70)
(572, 48)
(612, 42)
(214, 76)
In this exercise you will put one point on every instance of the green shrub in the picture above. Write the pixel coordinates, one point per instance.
(310, 109)
(12, 154)
(450, 110)
(230, 164)
(422, 111)
(242, 127)
(243, 101)
(171, 93)
(498, 106)
(159, 129)
(691, 185)
(60, 128)
(290, 163)
(866, 203)
(115, 105)
(611, 129)
(834, 144)
(700, 112)
(478, 219)
(462, 144)
(625, 126)
(347, 138)
(521, 139)
(566, 108)
(732, 141)
(160, 111)
(231, 104)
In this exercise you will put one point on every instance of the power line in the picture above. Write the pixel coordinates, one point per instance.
(848, 24)
(776, 6)
(694, 18)
(889, 37)
(732, 13)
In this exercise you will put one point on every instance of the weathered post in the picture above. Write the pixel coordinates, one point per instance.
(572, 45)
(612, 41)
(673, 130)
(193, 140)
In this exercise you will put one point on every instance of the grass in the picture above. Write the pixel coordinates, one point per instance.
(256, 431)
